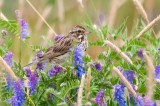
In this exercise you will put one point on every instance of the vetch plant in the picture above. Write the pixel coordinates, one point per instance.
(116, 77)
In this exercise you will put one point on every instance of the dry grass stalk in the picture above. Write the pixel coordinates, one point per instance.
(124, 80)
(21, 4)
(93, 100)
(150, 74)
(60, 10)
(80, 91)
(113, 11)
(150, 25)
(88, 79)
(81, 3)
(117, 50)
(8, 69)
(45, 13)
(141, 10)
(2, 16)
(41, 17)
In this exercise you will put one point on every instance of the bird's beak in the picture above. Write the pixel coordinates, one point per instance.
(87, 32)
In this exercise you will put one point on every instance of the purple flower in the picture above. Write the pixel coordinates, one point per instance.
(8, 58)
(119, 95)
(33, 80)
(9, 82)
(139, 101)
(159, 49)
(24, 26)
(19, 95)
(129, 75)
(148, 101)
(98, 66)
(40, 66)
(157, 72)
(28, 71)
(140, 53)
(120, 68)
(99, 98)
(24, 29)
(78, 60)
(58, 37)
(54, 71)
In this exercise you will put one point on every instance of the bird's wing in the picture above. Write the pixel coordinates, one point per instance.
(60, 47)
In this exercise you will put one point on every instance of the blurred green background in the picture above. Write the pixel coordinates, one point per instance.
(62, 15)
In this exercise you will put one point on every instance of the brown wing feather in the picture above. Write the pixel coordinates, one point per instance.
(60, 47)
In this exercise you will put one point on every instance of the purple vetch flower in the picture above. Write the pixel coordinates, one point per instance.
(98, 66)
(99, 98)
(78, 60)
(119, 95)
(139, 101)
(24, 29)
(28, 71)
(157, 72)
(24, 26)
(159, 49)
(40, 66)
(19, 95)
(54, 71)
(9, 82)
(58, 37)
(148, 101)
(129, 75)
(8, 58)
(120, 68)
(32, 80)
(140, 53)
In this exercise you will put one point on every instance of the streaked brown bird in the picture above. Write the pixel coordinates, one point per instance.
(60, 51)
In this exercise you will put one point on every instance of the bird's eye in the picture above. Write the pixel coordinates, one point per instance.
(79, 31)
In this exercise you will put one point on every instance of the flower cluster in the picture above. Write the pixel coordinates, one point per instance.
(19, 95)
(139, 101)
(98, 66)
(119, 95)
(9, 82)
(157, 72)
(54, 71)
(40, 66)
(140, 53)
(129, 75)
(8, 58)
(99, 98)
(33, 80)
(24, 26)
(78, 60)
(58, 37)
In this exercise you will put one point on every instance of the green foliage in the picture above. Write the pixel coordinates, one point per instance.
(62, 88)
(10, 25)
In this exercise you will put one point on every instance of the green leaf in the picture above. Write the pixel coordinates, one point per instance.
(10, 25)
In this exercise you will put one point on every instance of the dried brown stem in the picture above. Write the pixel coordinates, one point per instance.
(2, 16)
(88, 79)
(117, 50)
(150, 74)
(150, 25)
(80, 91)
(113, 11)
(124, 80)
(8, 69)
(41, 16)
(141, 10)
(45, 13)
